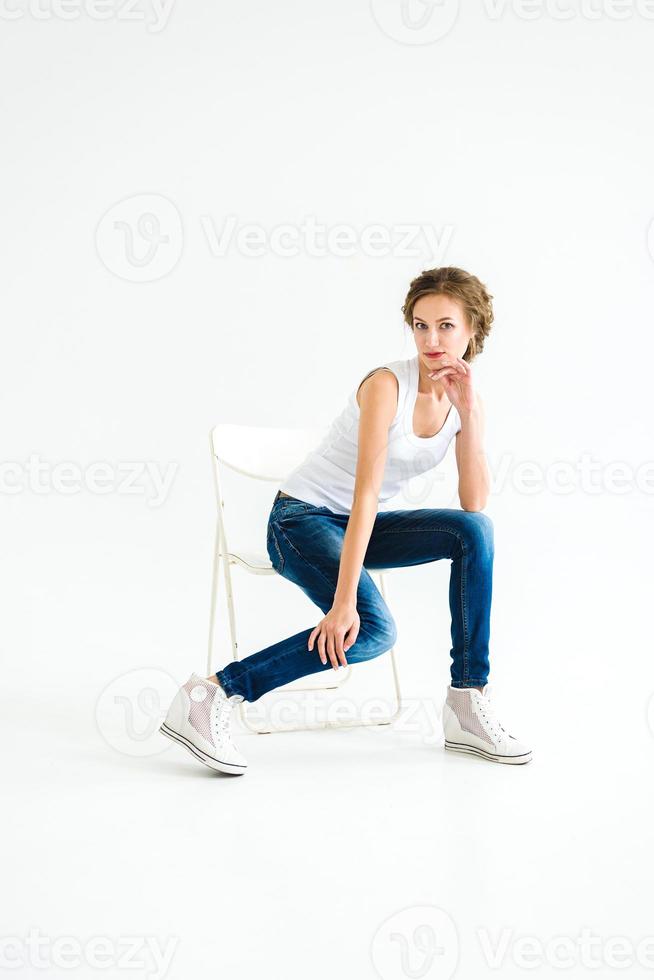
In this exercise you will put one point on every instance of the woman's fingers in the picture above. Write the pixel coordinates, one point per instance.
(324, 647)
(321, 646)
(339, 647)
(448, 367)
(452, 373)
(321, 652)
(330, 641)
(325, 644)
(331, 651)
(351, 637)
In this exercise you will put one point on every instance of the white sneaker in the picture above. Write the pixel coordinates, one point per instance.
(199, 719)
(470, 725)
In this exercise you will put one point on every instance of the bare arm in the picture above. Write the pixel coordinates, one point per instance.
(378, 398)
(474, 479)
(336, 633)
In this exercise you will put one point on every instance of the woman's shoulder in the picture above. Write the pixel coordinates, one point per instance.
(391, 376)
(399, 368)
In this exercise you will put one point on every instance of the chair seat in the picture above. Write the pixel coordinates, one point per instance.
(251, 560)
(260, 564)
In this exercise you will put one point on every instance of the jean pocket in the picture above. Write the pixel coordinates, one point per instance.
(287, 507)
(274, 551)
(293, 509)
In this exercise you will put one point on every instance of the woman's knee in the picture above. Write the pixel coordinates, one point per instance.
(477, 530)
(375, 637)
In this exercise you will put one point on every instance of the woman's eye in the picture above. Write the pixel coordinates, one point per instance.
(448, 324)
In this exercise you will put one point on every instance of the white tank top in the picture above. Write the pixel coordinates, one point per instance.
(326, 476)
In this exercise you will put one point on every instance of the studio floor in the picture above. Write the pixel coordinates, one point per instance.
(359, 853)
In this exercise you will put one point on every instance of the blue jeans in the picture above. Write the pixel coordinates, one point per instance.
(304, 544)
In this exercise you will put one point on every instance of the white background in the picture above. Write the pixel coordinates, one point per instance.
(525, 143)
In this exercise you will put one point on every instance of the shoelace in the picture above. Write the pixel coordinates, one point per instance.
(487, 712)
(222, 719)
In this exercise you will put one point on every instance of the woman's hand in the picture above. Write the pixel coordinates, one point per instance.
(456, 376)
(336, 633)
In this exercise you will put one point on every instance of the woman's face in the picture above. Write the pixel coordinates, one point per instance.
(439, 326)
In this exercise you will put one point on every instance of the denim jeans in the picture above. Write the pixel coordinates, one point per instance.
(304, 544)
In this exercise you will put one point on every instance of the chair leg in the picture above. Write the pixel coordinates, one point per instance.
(230, 607)
(396, 674)
(219, 559)
(358, 723)
(215, 581)
(232, 632)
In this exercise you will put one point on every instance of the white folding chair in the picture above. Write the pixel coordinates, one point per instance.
(267, 454)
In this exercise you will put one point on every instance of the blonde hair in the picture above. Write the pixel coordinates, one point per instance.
(462, 286)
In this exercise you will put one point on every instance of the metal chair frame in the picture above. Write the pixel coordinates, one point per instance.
(259, 453)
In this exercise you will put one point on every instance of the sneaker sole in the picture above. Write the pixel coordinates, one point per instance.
(511, 760)
(197, 753)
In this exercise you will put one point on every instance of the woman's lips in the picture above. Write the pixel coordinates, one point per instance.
(438, 354)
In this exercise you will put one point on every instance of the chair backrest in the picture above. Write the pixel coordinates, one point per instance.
(262, 452)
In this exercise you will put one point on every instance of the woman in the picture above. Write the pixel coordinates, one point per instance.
(325, 530)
